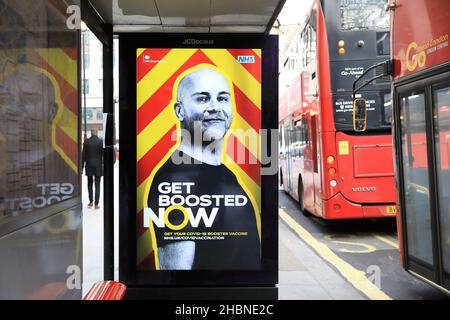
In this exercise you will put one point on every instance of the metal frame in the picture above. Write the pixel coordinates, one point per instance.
(425, 81)
(104, 33)
(36, 215)
(274, 17)
(267, 277)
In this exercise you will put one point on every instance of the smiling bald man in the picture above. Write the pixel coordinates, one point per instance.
(204, 109)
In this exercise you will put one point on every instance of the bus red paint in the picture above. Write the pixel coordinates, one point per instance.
(321, 156)
(421, 90)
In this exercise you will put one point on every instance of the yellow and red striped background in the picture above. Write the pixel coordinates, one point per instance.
(61, 67)
(158, 72)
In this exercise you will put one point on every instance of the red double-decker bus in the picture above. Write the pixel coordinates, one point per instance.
(421, 91)
(321, 156)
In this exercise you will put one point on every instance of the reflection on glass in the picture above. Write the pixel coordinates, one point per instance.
(387, 109)
(91, 81)
(442, 136)
(415, 170)
(85, 86)
(99, 114)
(364, 15)
(89, 114)
(38, 107)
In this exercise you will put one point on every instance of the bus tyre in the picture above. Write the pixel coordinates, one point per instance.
(301, 198)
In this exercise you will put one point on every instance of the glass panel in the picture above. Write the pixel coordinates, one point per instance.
(91, 82)
(85, 86)
(415, 170)
(89, 114)
(99, 113)
(441, 98)
(38, 107)
(364, 15)
(387, 110)
(86, 48)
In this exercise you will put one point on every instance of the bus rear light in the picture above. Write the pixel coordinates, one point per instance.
(330, 159)
(332, 170)
(341, 51)
(333, 183)
(341, 43)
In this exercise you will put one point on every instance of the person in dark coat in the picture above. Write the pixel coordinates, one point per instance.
(93, 162)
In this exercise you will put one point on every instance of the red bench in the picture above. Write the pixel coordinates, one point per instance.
(106, 290)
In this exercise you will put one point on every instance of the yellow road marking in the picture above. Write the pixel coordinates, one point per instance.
(386, 240)
(367, 247)
(356, 277)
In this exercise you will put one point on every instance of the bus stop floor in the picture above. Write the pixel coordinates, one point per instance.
(303, 275)
(93, 235)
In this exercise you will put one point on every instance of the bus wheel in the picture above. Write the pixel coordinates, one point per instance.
(301, 198)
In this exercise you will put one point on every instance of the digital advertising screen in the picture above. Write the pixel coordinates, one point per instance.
(198, 121)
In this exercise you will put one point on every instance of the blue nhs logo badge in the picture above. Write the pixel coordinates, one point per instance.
(246, 59)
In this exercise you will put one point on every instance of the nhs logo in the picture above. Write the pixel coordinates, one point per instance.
(246, 59)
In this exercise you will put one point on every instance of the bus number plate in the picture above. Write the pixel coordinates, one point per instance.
(392, 209)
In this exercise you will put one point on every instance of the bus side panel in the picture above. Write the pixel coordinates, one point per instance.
(317, 167)
(417, 46)
(325, 122)
(295, 173)
(366, 168)
(283, 172)
(43, 260)
(323, 69)
(308, 170)
(400, 238)
(329, 150)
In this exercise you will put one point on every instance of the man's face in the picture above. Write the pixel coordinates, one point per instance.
(205, 100)
(26, 104)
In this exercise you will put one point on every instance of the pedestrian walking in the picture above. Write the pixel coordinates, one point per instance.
(93, 164)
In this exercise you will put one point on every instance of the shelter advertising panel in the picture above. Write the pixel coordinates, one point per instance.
(198, 121)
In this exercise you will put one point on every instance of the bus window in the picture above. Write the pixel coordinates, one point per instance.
(415, 171)
(441, 98)
(305, 130)
(298, 136)
(364, 15)
(308, 39)
(293, 143)
(387, 110)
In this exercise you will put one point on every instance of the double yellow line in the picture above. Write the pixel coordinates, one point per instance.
(356, 277)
